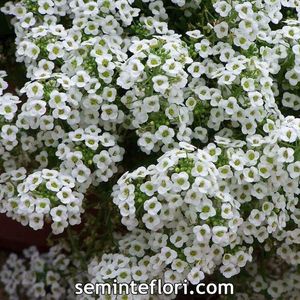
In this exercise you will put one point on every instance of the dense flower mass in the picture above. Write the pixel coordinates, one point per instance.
(39, 276)
(48, 168)
(276, 283)
(209, 207)
(202, 95)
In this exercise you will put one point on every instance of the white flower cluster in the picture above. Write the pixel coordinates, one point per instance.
(39, 276)
(48, 166)
(8, 102)
(233, 195)
(48, 174)
(168, 88)
(222, 75)
(276, 281)
(155, 255)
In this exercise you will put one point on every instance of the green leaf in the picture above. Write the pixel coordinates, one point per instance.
(297, 153)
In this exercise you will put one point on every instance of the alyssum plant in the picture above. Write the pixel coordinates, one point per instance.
(208, 91)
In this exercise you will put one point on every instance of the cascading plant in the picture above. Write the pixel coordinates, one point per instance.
(169, 130)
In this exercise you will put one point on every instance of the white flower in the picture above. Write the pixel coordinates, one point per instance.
(43, 206)
(81, 79)
(153, 61)
(36, 221)
(229, 270)
(55, 50)
(251, 174)
(152, 206)
(206, 209)
(59, 213)
(221, 30)
(195, 276)
(109, 112)
(256, 217)
(196, 69)
(160, 83)
(81, 173)
(203, 48)
(202, 232)
(180, 181)
(168, 255)
(244, 10)
(248, 84)
(65, 195)
(223, 8)
(196, 34)
(220, 235)
(53, 185)
(148, 188)
(152, 222)
(165, 134)
(294, 169)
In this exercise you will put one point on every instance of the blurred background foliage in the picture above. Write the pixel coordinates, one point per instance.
(15, 71)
